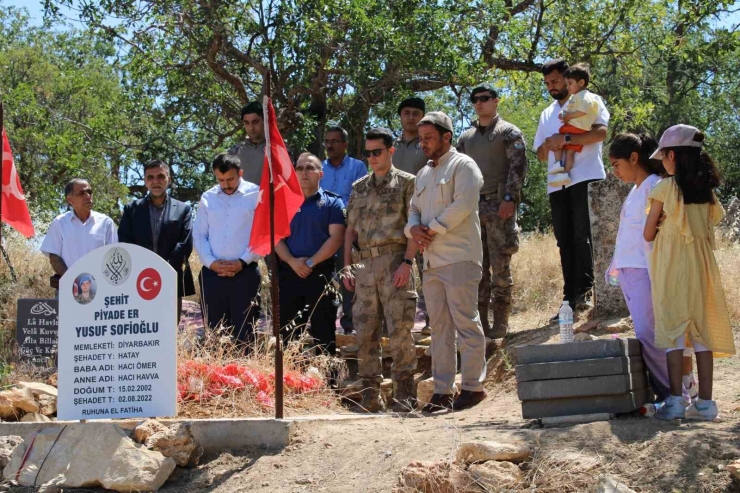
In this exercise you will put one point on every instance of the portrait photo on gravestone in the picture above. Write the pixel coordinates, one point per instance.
(84, 288)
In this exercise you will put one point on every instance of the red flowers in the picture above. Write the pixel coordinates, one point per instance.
(200, 381)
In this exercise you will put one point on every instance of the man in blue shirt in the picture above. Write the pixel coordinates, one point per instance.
(307, 259)
(340, 172)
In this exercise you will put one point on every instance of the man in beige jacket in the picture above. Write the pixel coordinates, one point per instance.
(444, 222)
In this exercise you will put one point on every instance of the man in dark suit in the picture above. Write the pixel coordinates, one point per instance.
(163, 225)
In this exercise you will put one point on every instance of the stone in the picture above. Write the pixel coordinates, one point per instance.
(47, 404)
(425, 390)
(434, 477)
(346, 340)
(605, 199)
(511, 451)
(579, 368)
(581, 387)
(619, 325)
(7, 409)
(574, 351)
(21, 399)
(147, 429)
(88, 455)
(386, 390)
(734, 469)
(38, 388)
(176, 442)
(577, 419)
(582, 336)
(427, 341)
(618, 403)
(608, 484)
(498, 475)
(7, 444)
(35, 418)
(53, 380)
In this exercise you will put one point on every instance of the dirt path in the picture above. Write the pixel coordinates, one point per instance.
(366, 455)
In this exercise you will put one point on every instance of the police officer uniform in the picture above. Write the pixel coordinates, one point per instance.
(499, 151)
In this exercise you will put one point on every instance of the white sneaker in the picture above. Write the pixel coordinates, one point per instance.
(556, 170)
(700, 409)
(671, 408)
(559, 180)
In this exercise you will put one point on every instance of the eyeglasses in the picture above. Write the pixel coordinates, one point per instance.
(328, 143)
(310, 168)
(374, 152)
(482, 99)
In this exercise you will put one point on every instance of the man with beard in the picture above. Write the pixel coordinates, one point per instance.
(229, 280)
(569, 203)
(444, 223)
(340, 172)
(163, 225)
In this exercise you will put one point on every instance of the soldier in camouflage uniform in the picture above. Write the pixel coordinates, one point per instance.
(499, 150)
(382, 277)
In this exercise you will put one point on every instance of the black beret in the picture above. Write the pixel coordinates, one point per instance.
(417, 103)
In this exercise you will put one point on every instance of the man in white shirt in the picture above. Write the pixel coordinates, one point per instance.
(569, 204)
(230, 279)
(76, 233)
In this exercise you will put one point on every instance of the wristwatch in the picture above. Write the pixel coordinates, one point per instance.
(567, 138)
(508, 198)
(309, 263)
(408, 262)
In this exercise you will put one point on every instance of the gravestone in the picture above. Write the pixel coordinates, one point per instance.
(36, 330)
(605, 200)
(117, 335)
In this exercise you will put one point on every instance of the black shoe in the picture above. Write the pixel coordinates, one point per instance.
(437, 403)
(468, 398)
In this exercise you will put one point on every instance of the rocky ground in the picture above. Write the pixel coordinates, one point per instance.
(367, 455)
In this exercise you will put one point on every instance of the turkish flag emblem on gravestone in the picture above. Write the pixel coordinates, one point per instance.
(149, 284)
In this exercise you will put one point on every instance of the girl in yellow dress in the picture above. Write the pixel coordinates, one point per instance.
(688, 299)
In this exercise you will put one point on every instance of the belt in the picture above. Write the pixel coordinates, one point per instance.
(488, 196)
(381, 250)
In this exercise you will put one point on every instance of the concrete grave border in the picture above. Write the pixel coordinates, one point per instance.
(215, 435)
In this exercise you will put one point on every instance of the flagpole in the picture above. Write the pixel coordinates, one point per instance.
(274, 283)
(2, 127)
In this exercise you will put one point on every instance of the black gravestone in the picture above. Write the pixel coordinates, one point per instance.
(37, 330)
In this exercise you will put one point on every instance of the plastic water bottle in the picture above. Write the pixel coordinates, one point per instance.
(647, 410)
(565, 319)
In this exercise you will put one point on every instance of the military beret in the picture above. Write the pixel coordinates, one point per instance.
(417, 103)
(437, 118)
(483, 88)
(253, 107)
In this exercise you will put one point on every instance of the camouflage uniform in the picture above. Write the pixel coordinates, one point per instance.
(378, 212)
(500, 152)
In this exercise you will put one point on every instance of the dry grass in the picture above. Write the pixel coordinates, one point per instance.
(218, 348)
(538, 280)
(728, 260)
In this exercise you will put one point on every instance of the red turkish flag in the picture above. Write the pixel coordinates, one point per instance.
(14, 210)
(278, 170)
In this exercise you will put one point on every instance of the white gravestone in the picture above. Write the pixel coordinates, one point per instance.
(118, 335)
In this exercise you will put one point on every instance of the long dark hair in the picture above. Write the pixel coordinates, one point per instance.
(644, 145)
(696, 173)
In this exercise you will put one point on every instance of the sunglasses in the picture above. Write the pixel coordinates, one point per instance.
(308, 168)
(374, 152)
(482, 99)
